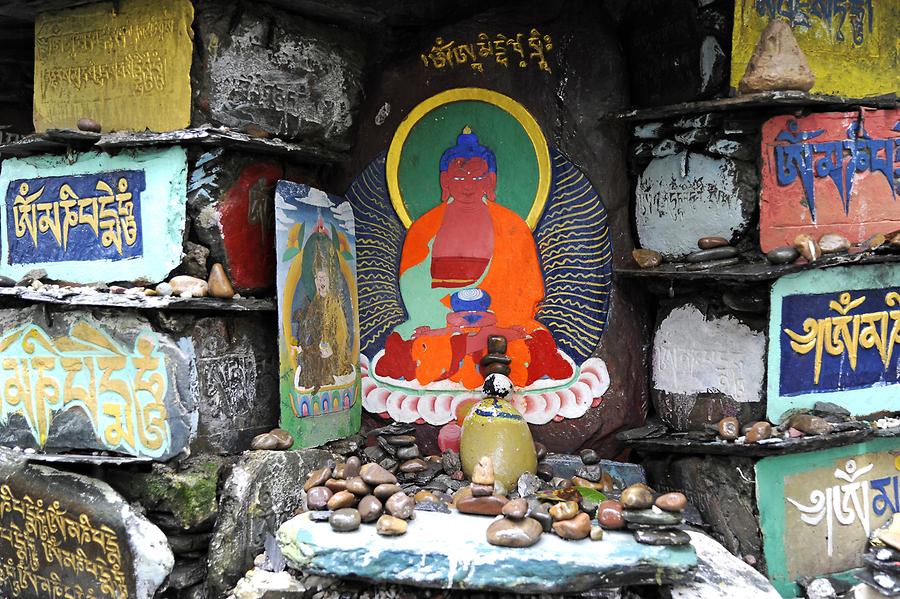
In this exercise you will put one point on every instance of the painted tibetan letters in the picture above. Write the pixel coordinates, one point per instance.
(831, 172)
(833, 336)
(318, 329)
(817, 509)
(126, 65)
(81, 384)
(850, 46)
(126, 211)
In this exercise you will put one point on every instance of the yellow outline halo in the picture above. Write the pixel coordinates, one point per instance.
(516, 110)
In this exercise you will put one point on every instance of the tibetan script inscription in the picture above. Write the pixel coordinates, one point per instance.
(517, 50)
(127, 67)
(47, 541)
(840, 19)
(830, 172)
(118, 392)
(80, 217)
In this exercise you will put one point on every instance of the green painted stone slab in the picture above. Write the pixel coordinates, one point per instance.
(450, 551)
(154, 194)
(816, 509)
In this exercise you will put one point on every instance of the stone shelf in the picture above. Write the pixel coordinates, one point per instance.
(60, 140)
(751, 101)
(681, 444)
(751, 272)
(450, 551)
(52, 294)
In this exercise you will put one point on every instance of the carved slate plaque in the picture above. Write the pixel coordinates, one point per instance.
(124, 212)
(126, 65)
(832, 336)
(817, 509)
(831, 172)
(318, 315)
(80, 382)
(68, 535)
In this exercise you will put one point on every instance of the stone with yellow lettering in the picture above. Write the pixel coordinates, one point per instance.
(126, 65)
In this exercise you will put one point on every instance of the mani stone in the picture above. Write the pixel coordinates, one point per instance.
(112, 532)
(514, 533)
(777, 63)
(262, 492)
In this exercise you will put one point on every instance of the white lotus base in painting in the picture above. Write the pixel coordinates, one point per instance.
(544, 401)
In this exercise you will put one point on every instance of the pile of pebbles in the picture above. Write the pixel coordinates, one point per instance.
(823, 419)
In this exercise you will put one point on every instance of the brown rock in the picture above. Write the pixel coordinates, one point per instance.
(341, 499)
(413, 466)
(401, 440)
(514, 533)
(574, 528)
(357, 486)
(832, 243)
(344, 520)
(637, 497)
(729, 428)
(461, 494)
(482, 490)
(400, 505)
(596, 533)
(809, 424)
(708, 243)
(370, 509)
(264, 441)
(482, 506)
(564, 510)
(89, 125)
(777, 63)
(758, 431)
(218, 283)
(383, 492)
(874, 242)
(340, 472)
(336, 484)
(483, 474)
(317, 498)
(646, 258)
(609, 514)
(540, 450)
(515, 509)
(352, 466)
(376, 475)
(605, 485)
(390, 526)
(807, 247)
(185, 286)
(317, 478)
(285, 439)
(672, 502)
(426, 497)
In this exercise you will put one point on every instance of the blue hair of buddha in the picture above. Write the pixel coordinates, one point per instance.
(467, 146)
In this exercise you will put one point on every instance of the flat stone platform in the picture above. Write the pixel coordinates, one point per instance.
(450, 551)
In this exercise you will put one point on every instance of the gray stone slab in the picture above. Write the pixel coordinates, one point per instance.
(450, 551)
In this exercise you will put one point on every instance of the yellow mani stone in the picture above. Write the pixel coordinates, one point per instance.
(494, 428)
(126, 70)
(853, 54)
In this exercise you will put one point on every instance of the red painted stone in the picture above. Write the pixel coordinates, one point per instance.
(246, 217)
(787, 208)
(449, 436)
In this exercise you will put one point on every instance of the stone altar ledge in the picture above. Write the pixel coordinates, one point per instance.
(450, 551)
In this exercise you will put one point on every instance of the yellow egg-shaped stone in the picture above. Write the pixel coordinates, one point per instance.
(496, 429)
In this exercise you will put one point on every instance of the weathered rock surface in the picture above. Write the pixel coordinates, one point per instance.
(263, 491)
(279, 72)
(777, 62)
(122, 549)
(427, 556)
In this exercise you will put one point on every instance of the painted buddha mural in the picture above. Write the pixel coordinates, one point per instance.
(472, 226)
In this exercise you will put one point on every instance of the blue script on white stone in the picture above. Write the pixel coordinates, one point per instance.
(451, 551)
(100, 218)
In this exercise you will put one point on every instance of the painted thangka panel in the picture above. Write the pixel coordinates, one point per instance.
(72, 383)
(850, 45)
(817, 509)
(125, 65)
(832, 336)
(473, 226)
(318, 332)
(126, 212)
(832, 172)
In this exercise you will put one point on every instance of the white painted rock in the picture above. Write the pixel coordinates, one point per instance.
(684, 197)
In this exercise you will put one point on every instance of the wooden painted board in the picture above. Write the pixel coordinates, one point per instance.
(93, 216)
(833, 336)
(318, 315)
(126, 65)
(850, 45)
(816, 509)
(831, 172)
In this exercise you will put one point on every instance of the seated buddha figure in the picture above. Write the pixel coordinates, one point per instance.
(469, 269)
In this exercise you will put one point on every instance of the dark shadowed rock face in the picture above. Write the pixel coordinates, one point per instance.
(584, 76)
(272, 72)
